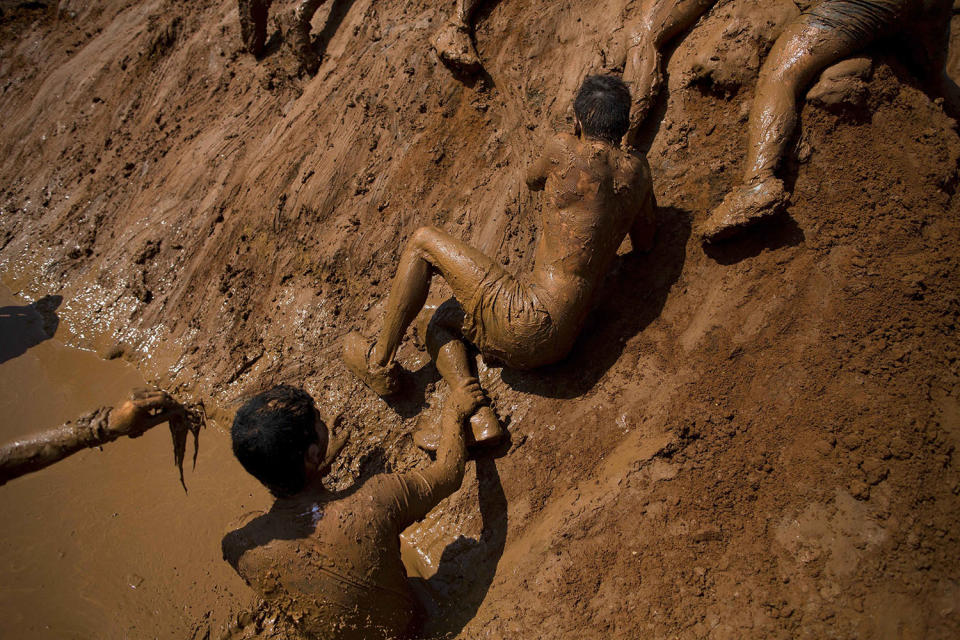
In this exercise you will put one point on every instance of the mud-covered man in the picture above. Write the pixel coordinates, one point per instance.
(824, 34)
(331, 561)
(253, 29)
(596, 193)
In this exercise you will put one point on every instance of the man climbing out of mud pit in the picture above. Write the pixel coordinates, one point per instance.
(659, 24)
(145, 410)
(454, 42)
(331, 561)
(253, 29)
(823, 35)
(596, 194)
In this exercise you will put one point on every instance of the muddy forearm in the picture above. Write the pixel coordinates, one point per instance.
(43, 449)
(446, 473)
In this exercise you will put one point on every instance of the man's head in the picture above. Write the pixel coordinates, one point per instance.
(602, 107)
(279, 438)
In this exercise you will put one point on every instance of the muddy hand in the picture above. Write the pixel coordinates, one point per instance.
(465, 399)
(335, 444)
(145, 409)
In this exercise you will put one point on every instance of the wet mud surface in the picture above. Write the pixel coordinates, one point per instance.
(755, 441)
(105, 544)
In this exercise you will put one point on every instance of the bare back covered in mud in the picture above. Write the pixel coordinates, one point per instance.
(596, 193)
(332, 561)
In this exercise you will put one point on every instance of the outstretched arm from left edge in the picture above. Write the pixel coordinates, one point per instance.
(43, 449)
(144, 410)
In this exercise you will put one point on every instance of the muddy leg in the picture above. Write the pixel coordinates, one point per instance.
(453, 42)
(301, 35)
(799, 55)
(253, 24)
(664, 21)
(446, 347)
(429, 250)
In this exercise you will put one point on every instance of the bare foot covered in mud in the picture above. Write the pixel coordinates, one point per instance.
(485, 429)
(744, 207)
(452, 43)
(356, 355)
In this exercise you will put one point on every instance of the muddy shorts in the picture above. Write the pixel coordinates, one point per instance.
(862, 21)
(506, 320)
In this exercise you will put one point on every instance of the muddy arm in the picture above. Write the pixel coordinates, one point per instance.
(538, 171)
(423, 489)
(145, 410)
(665, 20)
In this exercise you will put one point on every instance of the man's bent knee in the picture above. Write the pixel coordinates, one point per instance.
(425, 237)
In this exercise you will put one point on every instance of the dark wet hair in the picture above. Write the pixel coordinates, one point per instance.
(603, 107)
(271, 434)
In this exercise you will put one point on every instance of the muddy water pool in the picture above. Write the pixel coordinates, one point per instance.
(106, 544)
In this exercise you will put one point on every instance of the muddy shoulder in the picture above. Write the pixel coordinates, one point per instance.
(755, 442)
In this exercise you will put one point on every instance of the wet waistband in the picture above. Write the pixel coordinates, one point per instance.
(862, 20)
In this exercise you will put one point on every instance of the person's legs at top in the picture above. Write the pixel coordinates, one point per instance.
(803, 50)
(453, 42)
(253, 24)
(301, 34)
(660, 23)
(464, 268)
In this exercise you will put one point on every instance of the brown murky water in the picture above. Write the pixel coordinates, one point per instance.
(105, 544)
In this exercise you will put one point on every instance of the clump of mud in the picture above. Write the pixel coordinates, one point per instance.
(192, 419)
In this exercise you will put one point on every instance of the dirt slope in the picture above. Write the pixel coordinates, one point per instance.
(758, 442)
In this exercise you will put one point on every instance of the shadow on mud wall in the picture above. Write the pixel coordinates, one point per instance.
(467, 566)
(338, 12)
(631, 298)
(24, 327)
(777, 232)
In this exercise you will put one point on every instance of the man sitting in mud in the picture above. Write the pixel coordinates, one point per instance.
(253, 29)
(331, 561)
(596, 193)
(826, 33)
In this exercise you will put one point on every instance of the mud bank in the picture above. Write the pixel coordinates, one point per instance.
(758, 442)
